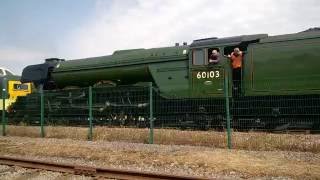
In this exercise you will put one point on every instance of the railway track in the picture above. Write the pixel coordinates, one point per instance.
(90, 171)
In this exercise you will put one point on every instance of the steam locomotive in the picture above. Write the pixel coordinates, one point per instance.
(279, 86)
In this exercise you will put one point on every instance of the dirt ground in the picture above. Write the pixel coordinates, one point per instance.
(261, 141)
(176, 159)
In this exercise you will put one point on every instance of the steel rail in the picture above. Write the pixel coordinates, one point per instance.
(90, 171)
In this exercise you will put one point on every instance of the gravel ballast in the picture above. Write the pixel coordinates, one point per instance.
(19, 173)
(172, 159)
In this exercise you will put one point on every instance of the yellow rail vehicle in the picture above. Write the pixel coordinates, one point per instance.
(13, 88)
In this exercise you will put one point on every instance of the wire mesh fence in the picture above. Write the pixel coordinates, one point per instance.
(143, 114)
(66, 107)
(271, 106)
(26, 110)
(121, 106)
(276, 113)
(195, 113)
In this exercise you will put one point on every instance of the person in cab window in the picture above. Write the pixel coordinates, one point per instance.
(236, 58)
(214, 57)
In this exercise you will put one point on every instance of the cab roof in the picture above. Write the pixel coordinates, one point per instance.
(234, 40)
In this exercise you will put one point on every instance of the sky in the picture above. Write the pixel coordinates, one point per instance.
(33, 30)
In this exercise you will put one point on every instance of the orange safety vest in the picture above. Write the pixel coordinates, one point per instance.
(236, 60)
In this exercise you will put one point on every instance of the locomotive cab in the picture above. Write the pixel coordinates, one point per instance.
(209, 64)
(13, 87)
(206, 69)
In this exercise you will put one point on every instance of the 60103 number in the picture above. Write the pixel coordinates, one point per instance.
(208, 74)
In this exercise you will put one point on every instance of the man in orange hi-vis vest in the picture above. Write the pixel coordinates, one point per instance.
(236, 58)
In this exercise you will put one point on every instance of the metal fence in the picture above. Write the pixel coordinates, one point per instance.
(144, 107)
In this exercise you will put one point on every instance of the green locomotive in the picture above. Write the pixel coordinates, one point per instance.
(278, 72)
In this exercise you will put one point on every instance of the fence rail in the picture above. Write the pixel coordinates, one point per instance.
(144, 106)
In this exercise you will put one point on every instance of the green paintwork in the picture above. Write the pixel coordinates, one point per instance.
(278, 65)
(122, 75)
(171, 78)
(209, 86)
(206, 87)
(283, 65)
(123, 67)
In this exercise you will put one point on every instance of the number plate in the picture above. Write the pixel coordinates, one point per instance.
(208, 74)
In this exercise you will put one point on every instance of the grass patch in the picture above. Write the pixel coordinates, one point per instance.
(240, 140)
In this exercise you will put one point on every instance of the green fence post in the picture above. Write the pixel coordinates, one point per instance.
(151, 113)
(41, 111)
(90, 114)
(3, 107)
(226, 93)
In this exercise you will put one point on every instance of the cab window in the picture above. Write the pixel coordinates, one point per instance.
(1, 72)
(198, 57)
(211, 49)
(213, 55)
(20, 87)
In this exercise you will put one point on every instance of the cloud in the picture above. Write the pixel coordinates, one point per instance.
(16, 58)
(146, 24)
(130, 24)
